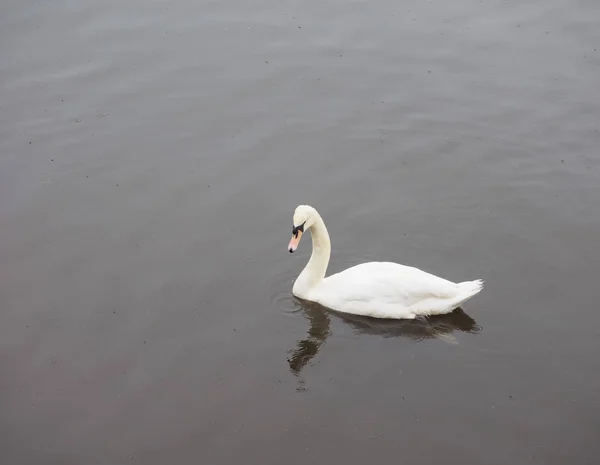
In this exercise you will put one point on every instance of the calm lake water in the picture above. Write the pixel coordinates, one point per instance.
(151, 157)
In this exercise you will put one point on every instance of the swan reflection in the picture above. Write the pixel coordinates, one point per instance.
(434, 327)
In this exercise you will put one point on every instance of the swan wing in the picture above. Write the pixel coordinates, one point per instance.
(397, 282)
(384, 289)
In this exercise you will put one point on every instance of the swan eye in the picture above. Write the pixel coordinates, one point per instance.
(298, 228)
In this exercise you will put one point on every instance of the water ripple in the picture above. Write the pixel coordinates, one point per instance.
(280, 292)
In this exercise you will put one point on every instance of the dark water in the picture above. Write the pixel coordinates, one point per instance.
(151, 156)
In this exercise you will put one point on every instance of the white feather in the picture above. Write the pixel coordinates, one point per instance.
(375, 289)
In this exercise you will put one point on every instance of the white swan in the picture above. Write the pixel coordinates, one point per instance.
(375, 289)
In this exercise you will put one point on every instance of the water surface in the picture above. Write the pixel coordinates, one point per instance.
(151, 156)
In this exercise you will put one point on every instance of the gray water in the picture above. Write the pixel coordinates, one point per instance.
(151, 156)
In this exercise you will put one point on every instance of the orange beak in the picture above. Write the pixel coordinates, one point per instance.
(293, 245)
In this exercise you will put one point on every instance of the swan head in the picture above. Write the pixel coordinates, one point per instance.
(304, 217)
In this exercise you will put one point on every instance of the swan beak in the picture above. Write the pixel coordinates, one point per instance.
(293, 245)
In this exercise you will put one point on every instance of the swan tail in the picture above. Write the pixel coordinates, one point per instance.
(466, 290)
(470, 288)
(440, 305)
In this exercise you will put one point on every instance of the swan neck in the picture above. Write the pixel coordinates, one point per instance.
(315, 269)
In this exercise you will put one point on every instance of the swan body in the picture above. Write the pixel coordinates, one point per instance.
(375, 289)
